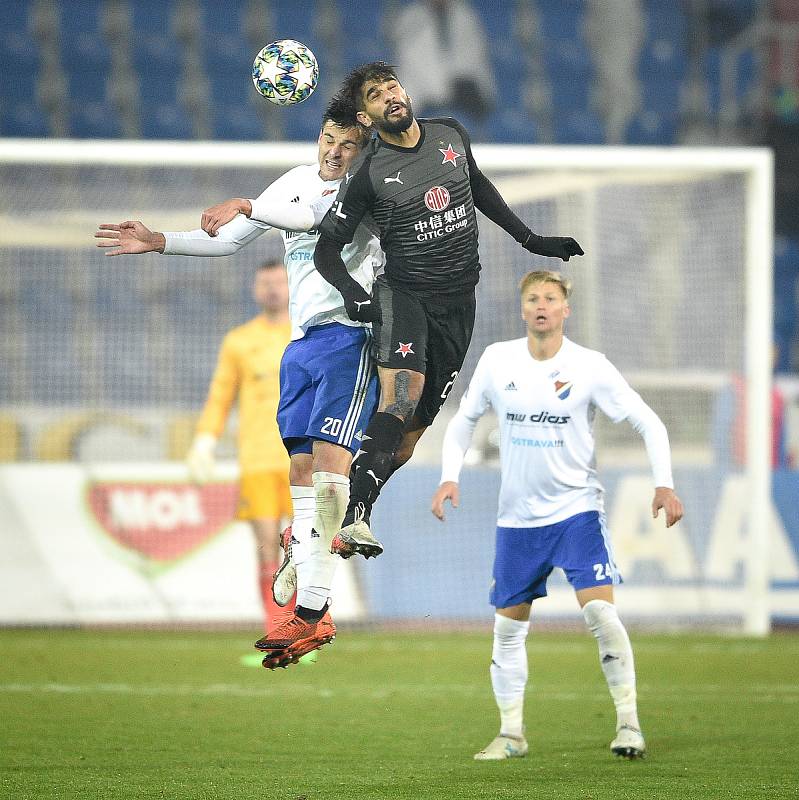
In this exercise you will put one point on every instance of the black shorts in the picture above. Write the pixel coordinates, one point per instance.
(427, 336)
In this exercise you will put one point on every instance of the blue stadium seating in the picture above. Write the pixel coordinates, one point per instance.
(362, 27)
(24, 119)
(225, 50)
(94, 119)
(166, 120)
(83, 44)
(237, 123)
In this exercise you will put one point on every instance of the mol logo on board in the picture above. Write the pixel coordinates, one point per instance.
(161, 521)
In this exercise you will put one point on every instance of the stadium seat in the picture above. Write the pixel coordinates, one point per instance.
(578, 127)
(288, 24)
(150, 17)
(83, 44)
(94, 119)
(24, 119)
(157, 56)
(511, 124)
(362, 30)
(650, 127)
(87, 85)
(166, 120)
(237, 123)
(19, 52)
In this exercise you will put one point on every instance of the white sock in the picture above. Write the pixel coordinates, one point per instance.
(303, 501)
(615, 657)
(315, 575)
(509, 672)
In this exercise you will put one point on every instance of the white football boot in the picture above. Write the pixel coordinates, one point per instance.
(356, 538)
(284, 584)
(503, 747)
(629, 743)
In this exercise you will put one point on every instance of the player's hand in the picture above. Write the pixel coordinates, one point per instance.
(129, 238)
(361, 306)
(447, 491)
(215, 217)
(200, 458)
(670, 503)
(563, 247)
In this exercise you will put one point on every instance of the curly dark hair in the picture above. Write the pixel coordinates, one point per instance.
(340, 111)
(354, 82)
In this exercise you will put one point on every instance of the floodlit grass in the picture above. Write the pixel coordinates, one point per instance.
(89, 715)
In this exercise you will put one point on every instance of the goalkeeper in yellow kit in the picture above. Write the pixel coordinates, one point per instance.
(249, 367)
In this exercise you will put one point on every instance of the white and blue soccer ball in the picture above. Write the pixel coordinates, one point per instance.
(285, 72)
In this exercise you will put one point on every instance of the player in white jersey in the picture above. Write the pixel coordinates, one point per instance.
(545, 390)
(328, 385)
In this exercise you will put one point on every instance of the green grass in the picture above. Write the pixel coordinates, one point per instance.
(386, 715)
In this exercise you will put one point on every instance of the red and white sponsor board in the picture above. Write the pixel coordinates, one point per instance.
(130, 544)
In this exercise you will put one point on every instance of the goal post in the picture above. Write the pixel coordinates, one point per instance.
(109, 359)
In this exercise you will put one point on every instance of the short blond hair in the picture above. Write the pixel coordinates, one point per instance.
(545, 276)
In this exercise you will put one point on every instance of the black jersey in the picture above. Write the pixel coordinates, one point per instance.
(422, 202)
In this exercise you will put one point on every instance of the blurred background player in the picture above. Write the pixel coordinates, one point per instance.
(445, 39)
(328, 388)
(545, 390)
(249, 368)
(421, 184)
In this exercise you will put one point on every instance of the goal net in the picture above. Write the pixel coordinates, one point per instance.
(106, 364)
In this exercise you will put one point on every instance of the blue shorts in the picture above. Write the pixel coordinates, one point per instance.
(525, 557)
(328, 388)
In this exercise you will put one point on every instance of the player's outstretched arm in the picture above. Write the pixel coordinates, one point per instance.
(446, 491)
(666, 499)
(129, 238)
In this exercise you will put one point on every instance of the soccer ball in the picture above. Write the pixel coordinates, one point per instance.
(285, 72)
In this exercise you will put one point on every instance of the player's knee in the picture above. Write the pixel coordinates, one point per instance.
(598, 613)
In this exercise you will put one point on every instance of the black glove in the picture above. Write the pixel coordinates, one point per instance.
(562, 247)
(360, 305)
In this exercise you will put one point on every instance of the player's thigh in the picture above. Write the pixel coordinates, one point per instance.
(401, 337)
(345, 390)
(296, 395)
(450, 330)
(584, 552)
(264, 495)
(522, 564)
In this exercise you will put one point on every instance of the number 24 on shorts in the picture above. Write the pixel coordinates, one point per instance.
(602, 571)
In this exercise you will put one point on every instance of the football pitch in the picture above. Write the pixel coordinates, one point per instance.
(87, 714)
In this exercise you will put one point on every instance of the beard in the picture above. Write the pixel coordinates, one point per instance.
(400, 125)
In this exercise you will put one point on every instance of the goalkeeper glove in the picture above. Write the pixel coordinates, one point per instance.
(200, 458)
(360, 305)
(562, 247)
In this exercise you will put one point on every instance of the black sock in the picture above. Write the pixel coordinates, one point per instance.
(374, 463)
(311, 614)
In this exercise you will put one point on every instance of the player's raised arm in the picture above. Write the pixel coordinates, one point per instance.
(488, 200)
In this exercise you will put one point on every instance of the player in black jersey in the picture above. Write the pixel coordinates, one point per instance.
(418, 181)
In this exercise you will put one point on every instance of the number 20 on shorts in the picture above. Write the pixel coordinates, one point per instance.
(332, 426)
